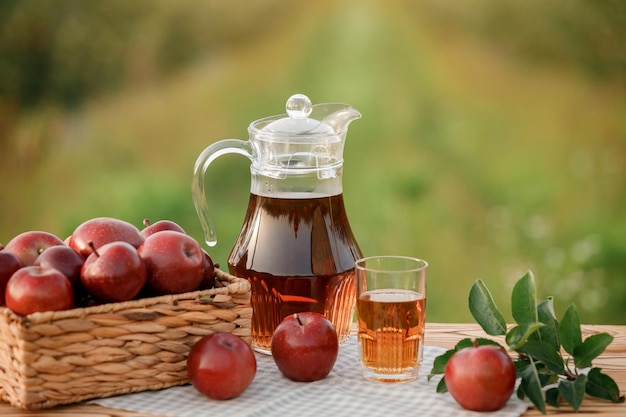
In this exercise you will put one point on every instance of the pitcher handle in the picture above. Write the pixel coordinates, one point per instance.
(208, 155)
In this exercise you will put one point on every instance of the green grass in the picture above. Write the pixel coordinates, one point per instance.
(481, 162)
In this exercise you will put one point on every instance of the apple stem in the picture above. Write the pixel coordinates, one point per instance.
(297, 317)
(475, 342)
(146, 222)
(93, 248)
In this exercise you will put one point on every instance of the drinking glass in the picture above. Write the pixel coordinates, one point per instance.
(391, 311)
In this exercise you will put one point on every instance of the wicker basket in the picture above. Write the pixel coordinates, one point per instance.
(63, 357)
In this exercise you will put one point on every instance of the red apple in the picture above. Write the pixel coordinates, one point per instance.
(305, 346)
(174, 260)
(480, 378)
(114, 272)
(103, 230)
(208, 276)
(221, 366)
(37, 288)
(28, 245)
(9, 263)
(159, 226)
(64, 259)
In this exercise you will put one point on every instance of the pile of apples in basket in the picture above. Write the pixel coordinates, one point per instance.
(111, 260)
(103, 260)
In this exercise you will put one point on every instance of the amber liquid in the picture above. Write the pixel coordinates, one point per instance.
(391, 333)
(298, 255)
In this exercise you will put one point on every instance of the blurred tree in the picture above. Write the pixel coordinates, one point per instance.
(587, 35)
(61, 53)
(64, 51)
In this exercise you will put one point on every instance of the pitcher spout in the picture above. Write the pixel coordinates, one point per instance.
(341, 116)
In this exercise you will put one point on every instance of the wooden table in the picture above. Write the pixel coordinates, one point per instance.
(613, 362)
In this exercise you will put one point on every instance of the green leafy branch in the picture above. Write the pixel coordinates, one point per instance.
(551, 354)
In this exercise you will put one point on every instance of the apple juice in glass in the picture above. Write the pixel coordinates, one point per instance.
(296, 247)
(391, 313)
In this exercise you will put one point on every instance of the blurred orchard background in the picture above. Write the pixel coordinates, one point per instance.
(493, 137)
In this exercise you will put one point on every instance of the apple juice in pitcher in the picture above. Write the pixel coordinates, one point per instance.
(296, 247)
(298, 254)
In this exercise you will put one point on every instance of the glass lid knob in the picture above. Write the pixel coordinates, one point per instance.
(299, 106)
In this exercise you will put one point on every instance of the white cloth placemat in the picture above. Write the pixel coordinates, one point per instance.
(344, 392)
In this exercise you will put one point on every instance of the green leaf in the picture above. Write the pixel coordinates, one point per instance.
(591, 348)
(519, 335)
(544, 353)
(569, 330)
(520, 363)
(532, 386)
(573, 391)
(549, 333)
(441, 386)
(463, 343)
(552, 397)
(524, 300)
(600, 385)
(485, 311)
(480, 341)
(440, 362)
(547, 377)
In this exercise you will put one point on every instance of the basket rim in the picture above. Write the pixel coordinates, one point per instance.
(224, 278)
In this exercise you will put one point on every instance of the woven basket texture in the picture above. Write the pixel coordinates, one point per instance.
(64, 357)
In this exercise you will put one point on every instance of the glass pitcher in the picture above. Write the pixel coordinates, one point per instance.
(296, 247)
